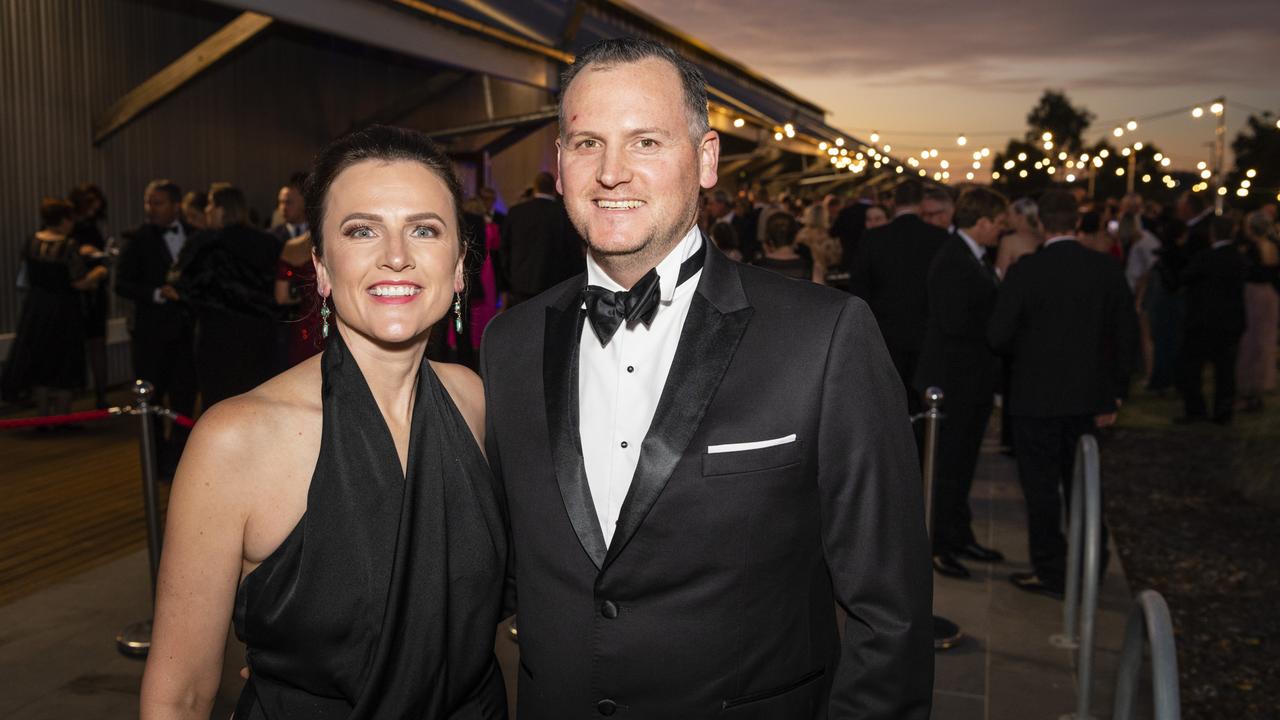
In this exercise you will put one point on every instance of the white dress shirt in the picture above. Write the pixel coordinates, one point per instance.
(619, 385)
(1058, 239)
(174, 238)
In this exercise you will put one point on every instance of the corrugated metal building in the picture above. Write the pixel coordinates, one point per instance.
(481, 73)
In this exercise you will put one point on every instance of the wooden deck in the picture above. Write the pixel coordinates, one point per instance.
(69, 501)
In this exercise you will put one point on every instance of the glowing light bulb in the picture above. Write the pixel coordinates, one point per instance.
(1022, 157)
(1146, 178)
(944, 164)
(1118, 132)
(1097, 162)
(1250, 173)
(987, 151)
(968, 176)
(1062, 156)
(1222, 191)
(1197, 112)
(1104, 154)
(1242, 192)
(875, 136)
(962, 141)
(1205, 174)
(739, 122)
(1137, 146)
(1125, 152)
(822, 145)
(1165, 162)
(995, 174)
(1245, 184)
(899, 170)
(933, 152)
(1047, 136)
(1022, 173)
(1216, 108)
(789, 129)
(923, 172)
(1131, 125)
(1071, 177)
(977, 165)
(1119, 172)
(1051, 170)
(1008, 164)
(777, 136)
(839, 142)
(888, 147)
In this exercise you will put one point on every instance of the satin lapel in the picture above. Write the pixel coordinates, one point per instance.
(560, 382)
(717, 318)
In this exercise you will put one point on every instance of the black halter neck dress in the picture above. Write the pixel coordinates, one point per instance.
(383, 600)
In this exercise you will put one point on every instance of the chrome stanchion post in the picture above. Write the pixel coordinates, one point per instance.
(135, 640)
(946, 634)
(1149, 619)
(1084, 539)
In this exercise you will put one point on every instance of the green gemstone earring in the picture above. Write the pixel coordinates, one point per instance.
(457, 313)
(325, 312)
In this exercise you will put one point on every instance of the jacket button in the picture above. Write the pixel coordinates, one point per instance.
(609, 609)
(607, 707)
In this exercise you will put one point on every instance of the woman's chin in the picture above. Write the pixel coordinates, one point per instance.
(395, 335)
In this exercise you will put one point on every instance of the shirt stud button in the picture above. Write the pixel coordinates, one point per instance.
(624, 444)
(631, 368)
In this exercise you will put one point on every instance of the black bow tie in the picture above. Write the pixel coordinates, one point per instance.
(608, 309)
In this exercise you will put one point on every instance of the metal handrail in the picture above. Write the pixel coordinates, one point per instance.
(1149, 622)
(1084, 528)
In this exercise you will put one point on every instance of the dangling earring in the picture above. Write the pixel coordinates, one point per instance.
(457, 313)
(324, 317)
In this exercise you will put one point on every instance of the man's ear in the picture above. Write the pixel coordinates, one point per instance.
(709, 159)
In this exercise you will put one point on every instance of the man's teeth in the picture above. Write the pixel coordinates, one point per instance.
(619, 204)
(394, 290)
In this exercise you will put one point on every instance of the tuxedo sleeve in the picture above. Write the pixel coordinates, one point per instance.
(495, 466)
(860, 270)
(1002, 328)
(948, 301)
(129, 273)
(874, 537)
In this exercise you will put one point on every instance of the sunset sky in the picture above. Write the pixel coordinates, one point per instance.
(923, 71)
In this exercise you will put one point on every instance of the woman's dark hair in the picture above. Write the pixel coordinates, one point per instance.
(724, 237)
(82, 196)
(54, 210)
(780, 230)
(235, 209)
(385, 144)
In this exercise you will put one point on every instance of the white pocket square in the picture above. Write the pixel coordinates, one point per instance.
(739, 447)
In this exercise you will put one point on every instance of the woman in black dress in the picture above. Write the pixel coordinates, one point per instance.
(227, 278)
(343, 512)
(47, 356)
(90, 210)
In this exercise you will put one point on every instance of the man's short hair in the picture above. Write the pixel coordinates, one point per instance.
(544, 183)
(908, 192)
(54, 211)
(168, 187)
(1059, 211)
(611, 52)
(976, 203)
(939, 195)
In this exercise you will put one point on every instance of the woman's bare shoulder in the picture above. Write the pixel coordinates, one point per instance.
(467, 391)
(243, 432)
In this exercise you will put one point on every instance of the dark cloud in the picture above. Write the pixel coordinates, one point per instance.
(1005, 46)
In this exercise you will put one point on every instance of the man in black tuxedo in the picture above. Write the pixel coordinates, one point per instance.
(1215, 320)
(1065, 319)
(539, 246)
(162, 330)
(890, 271)
(698, 457)
(956, 358)
(849, 225)
(292, 209)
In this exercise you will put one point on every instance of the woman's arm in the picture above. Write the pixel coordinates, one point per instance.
(199, 569)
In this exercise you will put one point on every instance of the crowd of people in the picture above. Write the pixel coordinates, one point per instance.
(1161, 293)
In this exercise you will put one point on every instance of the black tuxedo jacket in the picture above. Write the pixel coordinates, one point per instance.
(144, 266)
(850, 223)
(716, 594)
(539, 247)
(955, 356)
(1214, 279)
(1065, 317)
(890, 270)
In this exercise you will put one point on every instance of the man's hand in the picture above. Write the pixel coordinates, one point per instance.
(169, 293)
(244, 672)
(1104, 420)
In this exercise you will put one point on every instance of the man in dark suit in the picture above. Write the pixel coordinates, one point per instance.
(161, 339)
(955, 357)
(698, 457)
(849, 225)
(292, 209)
(890, 271)
(1065, 319)
(1215, 320)
(539, 246)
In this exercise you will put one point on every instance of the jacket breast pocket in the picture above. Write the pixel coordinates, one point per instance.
(746, 461)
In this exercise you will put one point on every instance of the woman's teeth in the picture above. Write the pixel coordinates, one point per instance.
(619, 204)
(394, 290)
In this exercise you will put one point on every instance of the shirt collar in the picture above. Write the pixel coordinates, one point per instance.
(544, 196)
(1058, 238)
(668, 268)
(1221, 243)
(974, 247)
(1196, 220)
